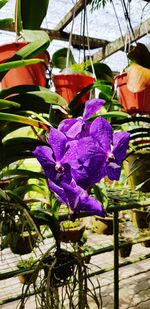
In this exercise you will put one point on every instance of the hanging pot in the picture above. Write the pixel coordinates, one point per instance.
(125, 249)
(141, 218)
(139, 165)
(103, 225)
(28, 75)
(23, 243)
(72, 234)
(138, 102)
(68, 85)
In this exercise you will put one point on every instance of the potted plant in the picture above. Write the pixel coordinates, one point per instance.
(75, 77)
(145, 233)
(141, 217)
(72, 231)
(125, 241)
(27, 269)
(134, 85)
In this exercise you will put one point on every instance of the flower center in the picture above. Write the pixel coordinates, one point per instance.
(110, 157)
(59, 168)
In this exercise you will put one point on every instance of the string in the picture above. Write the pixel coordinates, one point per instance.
(70, 39)
(88, 43)
(16, 20)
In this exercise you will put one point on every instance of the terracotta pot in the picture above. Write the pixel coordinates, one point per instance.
(125, 250)
(72, 234)
(141, 218)
(68, 85)
(23, 243)
(27, 75)
(138, 102)
(103, 225)
(139, 163)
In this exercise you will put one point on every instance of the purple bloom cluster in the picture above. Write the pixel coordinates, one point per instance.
(80, 153)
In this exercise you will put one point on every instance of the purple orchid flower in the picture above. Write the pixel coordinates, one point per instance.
(77, 199)
(77, 128)
(114, 144)
(51, 157)
(88, 160)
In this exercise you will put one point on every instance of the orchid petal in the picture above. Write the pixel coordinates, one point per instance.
(57, 141)
(44, 155)
(102, 131)
(91, 107)
(120, 143)
(113, 171)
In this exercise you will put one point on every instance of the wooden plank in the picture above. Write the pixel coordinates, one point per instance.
(64, 36)
(79, 6)
(118, 44)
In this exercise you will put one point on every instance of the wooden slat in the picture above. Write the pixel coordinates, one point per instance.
(68, 17)
(64, 36)
(118, 44)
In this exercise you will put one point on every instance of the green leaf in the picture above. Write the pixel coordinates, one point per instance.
(102, 71)
(35, 35)
(38, 101)
(2, 3)
(5, 22)
(59, 58)
(4, 104)
(19, 63)
(22, 119)
(21, 172)
(16, 149)
(33, 13)
(25, 189)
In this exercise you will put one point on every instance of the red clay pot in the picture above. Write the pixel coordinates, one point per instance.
(138, 102)
(68, 85)
(28, 75)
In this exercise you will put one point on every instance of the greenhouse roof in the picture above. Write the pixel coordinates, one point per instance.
(110, 30)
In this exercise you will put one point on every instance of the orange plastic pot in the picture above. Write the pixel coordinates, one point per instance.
(68, 85)
(138, 102)
(27, 75)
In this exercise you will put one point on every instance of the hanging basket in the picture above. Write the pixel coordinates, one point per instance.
(68, 85)
(103, 225)
(28, 75)
(137, 165)
(132, 103)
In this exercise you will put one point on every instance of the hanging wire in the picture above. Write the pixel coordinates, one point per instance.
(70, 38)
(88, 43)
(141, 20)
(83, 32)
(118, 22)
(127, 17)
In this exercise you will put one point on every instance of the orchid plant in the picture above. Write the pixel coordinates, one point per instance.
(79, 154)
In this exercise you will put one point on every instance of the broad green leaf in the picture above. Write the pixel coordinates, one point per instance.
(4, 104)
(16, 149)
(22, 119)
(22, 172)
(19, 63)
(35, 35)
(38, 101)
(102, 71)
(33, 13)
(20, 89)
(3, 2)
(5, 22)
(30, 187)
(59, 58)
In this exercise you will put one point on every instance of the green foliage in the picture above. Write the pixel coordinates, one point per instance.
(96, 4)
(59, 58)
(24, 264)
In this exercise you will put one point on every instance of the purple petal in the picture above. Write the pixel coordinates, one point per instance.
(79, 200)
(120, 143)
(59, 192)
(91, 206)
(87, 160)
(66, 124)
(44, 155)
(113, 171)
(102, 131)
(91, 107)
(57, 141)
(75, 129)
